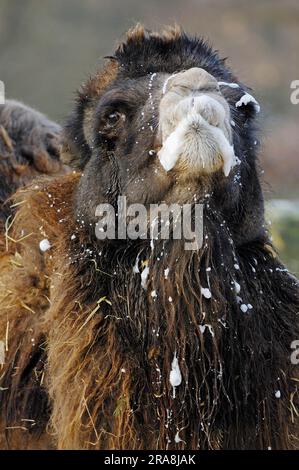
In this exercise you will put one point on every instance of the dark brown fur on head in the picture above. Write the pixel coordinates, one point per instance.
(120, 161)
(109, 343)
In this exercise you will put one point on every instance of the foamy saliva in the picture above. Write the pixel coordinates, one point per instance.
(175, 376)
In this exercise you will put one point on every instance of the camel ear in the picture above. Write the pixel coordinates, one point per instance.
(76, 150)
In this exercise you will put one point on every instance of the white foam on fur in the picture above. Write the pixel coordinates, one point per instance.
(229, 84)
(175, 376)
(246, 99)
(44, 245)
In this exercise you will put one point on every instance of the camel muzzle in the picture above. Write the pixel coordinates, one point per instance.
(194, 125)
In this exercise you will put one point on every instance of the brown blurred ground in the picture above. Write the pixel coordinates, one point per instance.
(47, 48)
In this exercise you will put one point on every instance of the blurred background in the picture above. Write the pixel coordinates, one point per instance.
(48, 48)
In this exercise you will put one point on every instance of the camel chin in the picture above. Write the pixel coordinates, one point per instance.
(195, 125)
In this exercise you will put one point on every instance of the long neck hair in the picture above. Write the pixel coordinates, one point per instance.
(196, 358)
(221, 319)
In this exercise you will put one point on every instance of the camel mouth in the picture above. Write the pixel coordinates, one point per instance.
(194, 125)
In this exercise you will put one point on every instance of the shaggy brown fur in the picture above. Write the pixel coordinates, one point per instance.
(89, 352)
(107, 367)
(29, 146)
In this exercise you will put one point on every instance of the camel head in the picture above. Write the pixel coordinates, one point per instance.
(166, 121)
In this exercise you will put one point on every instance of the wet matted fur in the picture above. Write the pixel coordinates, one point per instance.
(89, 351)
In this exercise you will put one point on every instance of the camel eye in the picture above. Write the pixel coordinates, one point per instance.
(114, 118)
(111, 124)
